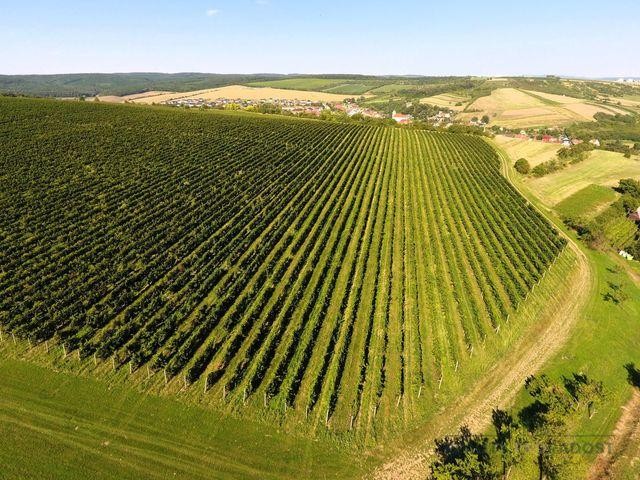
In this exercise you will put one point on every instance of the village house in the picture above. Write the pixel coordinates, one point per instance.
(635, 216)
(401, 118)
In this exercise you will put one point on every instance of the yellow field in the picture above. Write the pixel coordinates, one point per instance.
(446, 100)
(535, 152)
(245, 93)
(601, 168)
(515, 108)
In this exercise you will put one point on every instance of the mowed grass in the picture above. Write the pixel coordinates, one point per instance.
(63, 426)
(534, 151)
(586, 203)
(601, 168)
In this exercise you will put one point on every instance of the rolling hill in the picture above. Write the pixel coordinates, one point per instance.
(296, 269)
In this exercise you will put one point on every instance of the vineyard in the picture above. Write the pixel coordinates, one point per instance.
(330, 269)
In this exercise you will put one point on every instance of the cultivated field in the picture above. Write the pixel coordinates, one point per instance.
(339, 86)
(450, 101)
(534, 151)
(328, 273)
(232, 92)
(515, 108)
(587, 202)
(600, 168)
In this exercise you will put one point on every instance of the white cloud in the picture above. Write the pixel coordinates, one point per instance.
(212, 12)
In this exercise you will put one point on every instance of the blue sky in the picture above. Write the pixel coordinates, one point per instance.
(580, 38)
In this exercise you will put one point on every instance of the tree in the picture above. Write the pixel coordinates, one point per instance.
(485, 119)
(545, 419)
(584, 391)
(522, 166)
(464, 456)
(510, 440)
(629, 186)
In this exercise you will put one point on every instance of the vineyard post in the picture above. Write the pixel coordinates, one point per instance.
(46, 345)
(130, 367)
(440, 381)
(420, 391)
(79, 359)
(113, 362)
(148, 372)
(206, 383)
(306, 411)
(95, 360)
(326, 419)
(457, 365)
(244, 397)
(13, 335)
(285, 407)
(398, 401)
(166, 380)
(184, 379)
(351, 423)
(265, 399)
(1, 337)
(224, 392)
(64, 351)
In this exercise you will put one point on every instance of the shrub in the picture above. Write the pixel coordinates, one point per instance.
(522, 166)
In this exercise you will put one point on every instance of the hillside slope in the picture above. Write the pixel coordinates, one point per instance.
(316, 272)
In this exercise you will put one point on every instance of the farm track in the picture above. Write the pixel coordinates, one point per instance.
(500, 386)
(625, 434)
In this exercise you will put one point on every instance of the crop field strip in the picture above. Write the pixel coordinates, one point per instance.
(331, 271)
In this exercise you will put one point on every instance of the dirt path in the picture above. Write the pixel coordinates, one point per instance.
(499, 386)
(626, 433)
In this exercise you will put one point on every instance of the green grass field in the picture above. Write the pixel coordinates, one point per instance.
(60, 425)
(586, 203)
(601, 168)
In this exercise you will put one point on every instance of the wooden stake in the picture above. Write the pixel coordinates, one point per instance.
(457, 364)
(206, 383)
(1, 336)
(224, 392)
(113, 362)
(14, 338)
(265, 399)
(46, 345)
(95, 360)
(398, 401)
(351, 423)
(166, 380)
(244, 397)
(440, 382)
(130, 367)
(184, 379)
(148, 372)
(78, 354)
(326, 419)
(420, 391)
(64, 351)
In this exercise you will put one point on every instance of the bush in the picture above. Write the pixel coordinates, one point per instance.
(522, 166)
